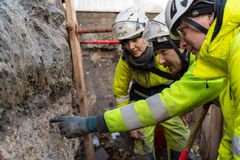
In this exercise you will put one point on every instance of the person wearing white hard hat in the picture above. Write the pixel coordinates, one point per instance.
(176, 59)
(210, 28)
(136, 70)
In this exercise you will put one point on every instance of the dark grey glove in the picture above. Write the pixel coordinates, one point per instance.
(75, 126)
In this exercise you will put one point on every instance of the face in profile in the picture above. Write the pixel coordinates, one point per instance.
(135, 46)
(170, 59)
(191, 37)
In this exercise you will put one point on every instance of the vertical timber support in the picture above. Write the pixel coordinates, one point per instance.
(78, 72)
(212, 133)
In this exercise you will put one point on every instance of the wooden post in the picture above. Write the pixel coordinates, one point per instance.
(78, 73)
(211, 134)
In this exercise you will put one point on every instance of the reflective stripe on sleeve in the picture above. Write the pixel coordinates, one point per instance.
(158, 109)
(122, 99)
(236, 145)
(130, 117)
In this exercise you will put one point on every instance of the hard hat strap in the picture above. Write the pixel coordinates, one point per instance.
(195, 24)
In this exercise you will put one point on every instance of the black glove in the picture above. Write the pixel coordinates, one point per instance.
(75, 126)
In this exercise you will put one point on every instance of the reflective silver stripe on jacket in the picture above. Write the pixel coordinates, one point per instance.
(169, 82)
(130, 117)
(122, 99)
(158, 109)
(236, 145)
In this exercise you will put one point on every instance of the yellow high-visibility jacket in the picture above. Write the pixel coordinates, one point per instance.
(221, 58)
(124, 74)
(214, 73)
(183, 95)
(176, 132)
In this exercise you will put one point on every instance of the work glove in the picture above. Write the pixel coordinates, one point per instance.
(75, 126)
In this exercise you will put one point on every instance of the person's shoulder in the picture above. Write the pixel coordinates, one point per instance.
(122, 63)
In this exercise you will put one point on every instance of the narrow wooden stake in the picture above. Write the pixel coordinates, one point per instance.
(194, 131)
(78, 73)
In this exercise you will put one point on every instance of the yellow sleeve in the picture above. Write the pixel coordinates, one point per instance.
(121, 82)
(183, 95)
(234, 87)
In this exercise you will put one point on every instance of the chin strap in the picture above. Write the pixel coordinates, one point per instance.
(186, 54)
(174, 44)
(175, 47)
(195, 24)
(184, 57)
(219, 6)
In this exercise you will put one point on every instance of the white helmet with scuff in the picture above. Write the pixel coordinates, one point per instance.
(129, 23)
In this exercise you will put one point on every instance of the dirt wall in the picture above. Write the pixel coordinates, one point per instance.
(35, 80)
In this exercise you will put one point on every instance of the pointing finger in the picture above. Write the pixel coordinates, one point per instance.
(57, 119)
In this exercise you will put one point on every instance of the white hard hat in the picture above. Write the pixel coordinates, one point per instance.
(156, 29)
(176, 9)
(129, 23)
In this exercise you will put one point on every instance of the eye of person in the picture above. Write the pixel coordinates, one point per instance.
(123, 42)
(181, 31)
(135, 39)
(163, 51)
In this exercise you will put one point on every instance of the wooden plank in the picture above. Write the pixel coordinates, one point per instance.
(78, 73)
(212, 132)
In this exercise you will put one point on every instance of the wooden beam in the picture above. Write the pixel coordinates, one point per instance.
(211, 134)
(78, 73)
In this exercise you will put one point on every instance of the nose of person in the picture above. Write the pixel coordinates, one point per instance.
(131, 45)
(183, 43)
